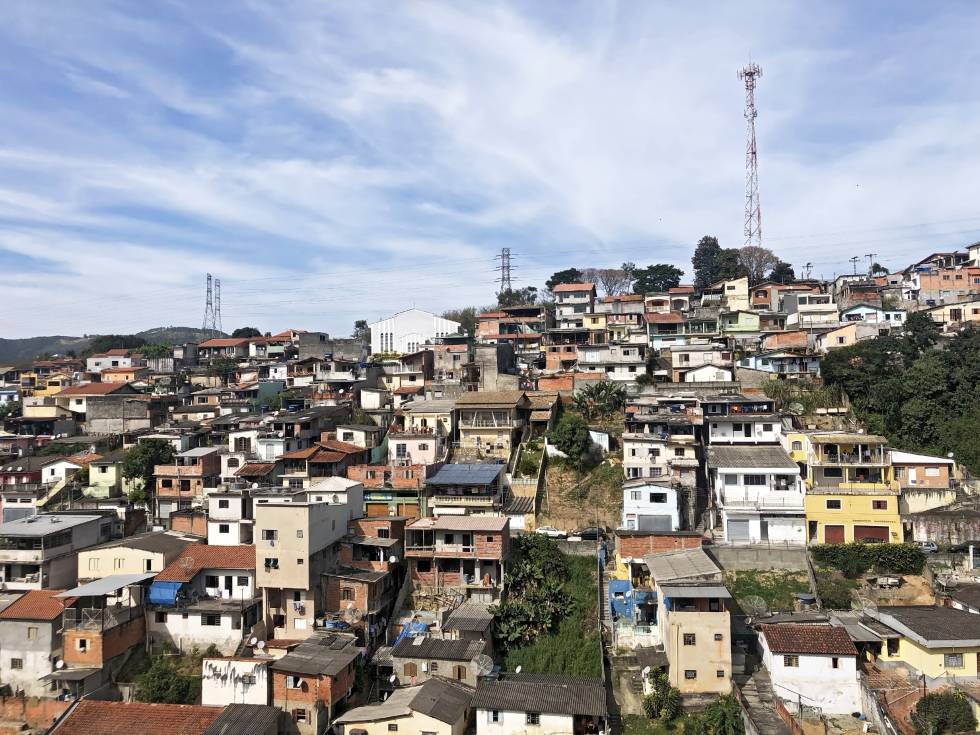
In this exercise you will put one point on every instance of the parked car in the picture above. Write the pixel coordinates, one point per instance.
(550, 532)
(965, 546)
(589, 533)
(929, 547)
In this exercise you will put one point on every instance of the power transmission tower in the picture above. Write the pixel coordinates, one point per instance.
(504, 268)
(209, 308)
(753, 211)
(216, 325)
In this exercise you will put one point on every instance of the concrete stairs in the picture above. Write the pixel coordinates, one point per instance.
(760, 700)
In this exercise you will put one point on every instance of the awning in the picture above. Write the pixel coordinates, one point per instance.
(70, 674)
(164, 593)
(107, 585)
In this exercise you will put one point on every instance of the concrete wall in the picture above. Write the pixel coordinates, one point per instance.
(512, 723)
(36, 656)
(835, 691)
(744, 558)
(221, 682)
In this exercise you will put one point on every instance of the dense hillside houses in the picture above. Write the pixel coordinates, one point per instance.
(329, 531)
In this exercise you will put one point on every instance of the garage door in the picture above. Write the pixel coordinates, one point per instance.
(833, 534)
(738, 530)
(862, 533)
(376, 509)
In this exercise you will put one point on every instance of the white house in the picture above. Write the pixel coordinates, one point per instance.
(57, 469)
(650, 506)
(708, 374)
(115, 358)
(872, 315)
(516, 704)
(229, 518)
(227, 681)
(408, 330)
(758, 494)
(812, 664)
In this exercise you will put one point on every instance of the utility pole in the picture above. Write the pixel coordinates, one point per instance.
(871, 261)
(854, 263)
(806, 271)
(504, 269)
(753, 211)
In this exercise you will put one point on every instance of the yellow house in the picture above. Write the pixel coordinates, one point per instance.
(939, 642)
(594, 321)
(411, 710)
(838, 516)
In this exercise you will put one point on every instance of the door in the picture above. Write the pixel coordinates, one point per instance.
(876, 533)
(764, 530)
(738, 530)
(748, 430)
(833, 534)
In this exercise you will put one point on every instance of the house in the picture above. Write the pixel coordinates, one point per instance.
(708, 374)
(114, 358)
(738, 420)
(75, 398)
(512, 704)
(846, 335)
(873, 314)
(740, 324)
(185, 482)
(621, 363)
(572, 302)
(810, 310)
(144, 552)
(415, 446)
(230, 519)
(39, 551)
(105, 476)
(650, 506)
(438, 706)
(296, 538)
(228, 679)
(687, 357)
(436, 415)
(465, 489)
(30, 641)
(230, 348)
(133, 374)
(937, 284)
(392, 489)
(695, 627)
(95, 717)
(465, 554)
(205, 597)
(490, 423)
(329, 458)
(812, 664)
(660, 442)
(783, 364)
(732, 294)
(926, 482)
(122, 413)
(419, 659)
(313, 679)
(953, 316)
(941, 643)
(408, 330)
(757, 494)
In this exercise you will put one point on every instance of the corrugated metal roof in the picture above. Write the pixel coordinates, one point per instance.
(438, 649)
(750, 458)
(107, 585)
(551, 694)
(466, 474)
(461, 523)
(682, 564)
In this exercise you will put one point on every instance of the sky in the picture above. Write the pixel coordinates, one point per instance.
(331, 161)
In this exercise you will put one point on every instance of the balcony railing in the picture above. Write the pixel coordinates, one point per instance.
(468, 500)
(487, 424)
(794, 502)
(847, 458)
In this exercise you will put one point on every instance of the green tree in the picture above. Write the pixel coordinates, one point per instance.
(468, 317)
(9, 409)
(782, 272)
(517, 296)
(162, 683)
(105, 342)
(140, 462)
(569, 275)
(246, 333)
(664, 702)
(948, 711)
(721, 717)
(155, 351)
(223, 367)
(712, 263)
(600, 399)
(920, 333)
(571, 436)
(362, 332)
(877, 269)
(656, 278)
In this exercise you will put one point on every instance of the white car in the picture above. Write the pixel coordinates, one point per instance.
(550, 532)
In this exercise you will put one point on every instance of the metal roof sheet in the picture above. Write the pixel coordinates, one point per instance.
(545, 693)
(466, 474)
(107, 585)
(763, 457)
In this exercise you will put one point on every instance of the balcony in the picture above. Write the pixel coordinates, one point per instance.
(491, 424)
(469, 501)
(765, 501)
(858, 457)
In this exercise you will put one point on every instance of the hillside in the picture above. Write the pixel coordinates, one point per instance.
(22, 351)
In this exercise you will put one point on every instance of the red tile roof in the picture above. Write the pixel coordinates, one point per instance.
(339, 446)
(255, 469)
(85, 458)
(91, 389)
(671, 317)
(681, 289)
(408, 390)
(118, 352)
(564, 287)
(827, 640)
(224, 342)
(37, 605)
(123, 369)
(92, 717)
(300, 453)
(201, 556)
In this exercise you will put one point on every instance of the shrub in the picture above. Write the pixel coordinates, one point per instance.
(943, 712)
(857, 558)
(571, 436)
(162, 683)
(664, 702)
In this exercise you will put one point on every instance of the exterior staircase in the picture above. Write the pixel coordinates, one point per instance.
(759, 700)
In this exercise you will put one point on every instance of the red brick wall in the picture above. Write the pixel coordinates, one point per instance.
(362, 594)
(103, 646)
(641, 545)
(491, 545)
(369, 527)
(36, 713)
(325, 689)
(196, 524)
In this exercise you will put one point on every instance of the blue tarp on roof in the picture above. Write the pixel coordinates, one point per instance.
(621, 599)
(164, 593)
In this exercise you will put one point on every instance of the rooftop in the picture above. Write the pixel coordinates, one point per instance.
(821, 640)
(92, 389)
(472, 616)
(201, 556)
(156, 541)
(321, 653)
(683, 564)
(461, 523)
(552, 694)
(931, 626)
(438, 648)
(43, 524)
(571, 287)
(244, 719)
(107, 585)
(466, 474)
(762, 457)
(500, 398)
(94, 717)
(36, 605)
(442, 405)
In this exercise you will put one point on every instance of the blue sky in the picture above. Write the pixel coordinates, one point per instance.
(335, 161)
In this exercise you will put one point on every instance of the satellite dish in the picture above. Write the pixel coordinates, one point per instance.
(754, 606)
(864, 606)
(484, 664)
(253, 640)
(392, 559)
(260, 645)
(518, 670)
(59, 664)
(392, 678)
(646, 671)
(353, 615)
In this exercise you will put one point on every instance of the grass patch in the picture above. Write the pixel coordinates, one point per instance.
(774, 586)
(576, 648)
(640, 725)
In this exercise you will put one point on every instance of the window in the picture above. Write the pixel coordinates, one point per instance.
(293, 682)
(833, 472)
(411, 669)
(242, 581)
(495, 715)
(271, 563)
(211, 619)
(679, 452)
(932, 472)
(384, 533)
(490, 539)
(16, 663)
(893, 646)
(392, 727)
(224, 528)
(658, 497)
(299, 715)
(720, 673)
(797, 446)
(730, 480)
(210, 580)
(93, 565)
(879, 505)
(222, 503)
(424, 566)
(718, 636)
(232, 463)
(953, 660)
(434, 666)
(148, 565)
(792, 661)
(835, 663)
(32, 633)
(269, 534)
(635, 494)
(690, 639)
(841, 340)
(81, 644)
(833, 505)
(299, 562)
(160, 617)
(533, 718)
(755, 479)
(690, 674)
(346, 593)
(899, 472)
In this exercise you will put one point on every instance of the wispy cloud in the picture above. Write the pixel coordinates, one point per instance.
(332, 161)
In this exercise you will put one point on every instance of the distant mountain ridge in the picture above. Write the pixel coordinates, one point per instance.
(22, 351)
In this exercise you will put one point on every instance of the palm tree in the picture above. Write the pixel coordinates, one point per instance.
(603, 398)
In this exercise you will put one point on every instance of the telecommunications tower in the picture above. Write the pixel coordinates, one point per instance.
(753, 212)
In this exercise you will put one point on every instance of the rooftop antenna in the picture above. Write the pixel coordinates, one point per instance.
(753, 211)
(505, 268)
